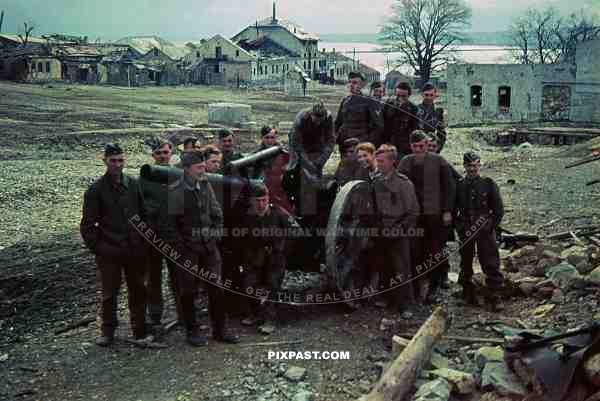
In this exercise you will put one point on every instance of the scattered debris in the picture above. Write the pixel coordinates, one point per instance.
(436, 390)
(462, 383)
(295, 373)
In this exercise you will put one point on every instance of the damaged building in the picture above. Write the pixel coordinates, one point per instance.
(512, 93)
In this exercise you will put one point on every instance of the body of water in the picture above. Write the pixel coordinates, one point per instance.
(384, 62)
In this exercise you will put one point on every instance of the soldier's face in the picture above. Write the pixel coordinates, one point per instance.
(473, 169)
(418, 147)
(196, 171)
(213, 164)
(261, 204)
(114, 164)
(355, 85)
(429, 96)
(385, 164)
(227, 143)
(378, 93)
(402, 94)
(432, 146)
(270, 139)
(162, 155)
(366, 159)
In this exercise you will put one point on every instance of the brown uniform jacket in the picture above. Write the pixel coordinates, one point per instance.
(311, 141)
(434, 185)
(359, 117)
(107, 211)
(194, 219)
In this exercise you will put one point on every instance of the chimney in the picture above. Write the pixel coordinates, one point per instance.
(274, 20)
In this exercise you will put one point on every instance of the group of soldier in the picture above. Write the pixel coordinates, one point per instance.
(390, 143)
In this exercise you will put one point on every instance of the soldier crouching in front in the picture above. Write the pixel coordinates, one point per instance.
(193, 228)
(479, 211)
(109, 205)
(263, 259)
(397, 209)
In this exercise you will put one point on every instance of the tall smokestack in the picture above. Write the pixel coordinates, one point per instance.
(274, 20)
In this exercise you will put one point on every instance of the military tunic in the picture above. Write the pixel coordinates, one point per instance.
(106, 229)
(400, 120)
(479, 210)
(193, 228)
(397, 209)
(312, 143)
(359, 117)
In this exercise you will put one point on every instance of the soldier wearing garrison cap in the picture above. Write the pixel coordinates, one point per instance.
(359, 116)
(479, 211)
(109, 206)
(193, 229)
(155, 203)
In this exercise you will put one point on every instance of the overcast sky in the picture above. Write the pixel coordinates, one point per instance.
(180, 20)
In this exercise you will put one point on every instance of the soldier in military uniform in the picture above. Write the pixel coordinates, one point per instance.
(359, 116)
(435, 189)
(227, 147)
(400, 119)
(109, 205)
(268, 139)
(430, 118)
(348, 166)
(193, 229)
(479, 211)
(263, 258)
(214, 158)
(155, 202)
(312, 139)
(397, 209)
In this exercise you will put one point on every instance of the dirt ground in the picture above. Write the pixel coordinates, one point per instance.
(47, 278)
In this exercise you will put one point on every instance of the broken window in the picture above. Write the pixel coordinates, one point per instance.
(47, 66)
(476, 93)
(218, 52)
(504, 97)
(40, 67)
(237, 53)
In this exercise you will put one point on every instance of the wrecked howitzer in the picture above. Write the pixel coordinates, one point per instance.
(549, 364)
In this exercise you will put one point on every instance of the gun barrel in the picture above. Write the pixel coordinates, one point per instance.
(254, 158)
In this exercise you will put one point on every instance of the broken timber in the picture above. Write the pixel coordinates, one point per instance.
(399, 379)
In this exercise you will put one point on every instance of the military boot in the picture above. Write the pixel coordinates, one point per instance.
(468, 294)
(196, 338)
(494, 302)
(106, 339)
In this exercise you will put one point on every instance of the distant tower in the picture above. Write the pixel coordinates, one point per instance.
(274, 19)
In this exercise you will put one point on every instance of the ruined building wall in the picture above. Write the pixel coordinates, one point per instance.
(483, 93)
(586, 97)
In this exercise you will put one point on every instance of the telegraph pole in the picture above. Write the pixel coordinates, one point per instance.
(1, 19)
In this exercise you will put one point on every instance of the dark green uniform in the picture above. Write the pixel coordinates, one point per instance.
(359, 117)
(155, 203)
(192, 228)
(107, 231)
(479, 210)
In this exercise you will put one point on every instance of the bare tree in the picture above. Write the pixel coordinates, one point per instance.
(424, 31)
(27, 29)
(545, 37)
(577, 28)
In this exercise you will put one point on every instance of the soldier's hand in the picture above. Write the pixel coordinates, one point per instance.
(447, 218)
